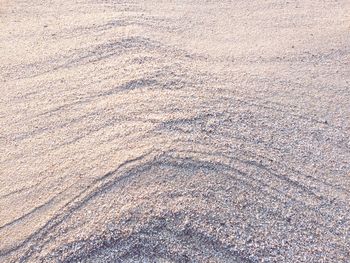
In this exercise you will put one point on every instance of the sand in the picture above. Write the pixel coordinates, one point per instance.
(174, 131)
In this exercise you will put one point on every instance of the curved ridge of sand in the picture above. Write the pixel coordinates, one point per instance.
(175, 131)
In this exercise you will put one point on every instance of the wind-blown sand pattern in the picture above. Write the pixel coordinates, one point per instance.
(174, 131)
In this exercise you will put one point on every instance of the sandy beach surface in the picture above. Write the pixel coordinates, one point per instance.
(174, 131)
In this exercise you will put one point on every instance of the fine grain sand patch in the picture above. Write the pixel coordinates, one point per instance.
(174, 131)
(3, 5)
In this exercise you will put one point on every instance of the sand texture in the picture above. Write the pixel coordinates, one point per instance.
(175, 131)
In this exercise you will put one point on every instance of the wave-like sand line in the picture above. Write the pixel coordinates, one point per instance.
(174, 131)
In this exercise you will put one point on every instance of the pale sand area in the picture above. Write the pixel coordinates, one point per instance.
(174, 131)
